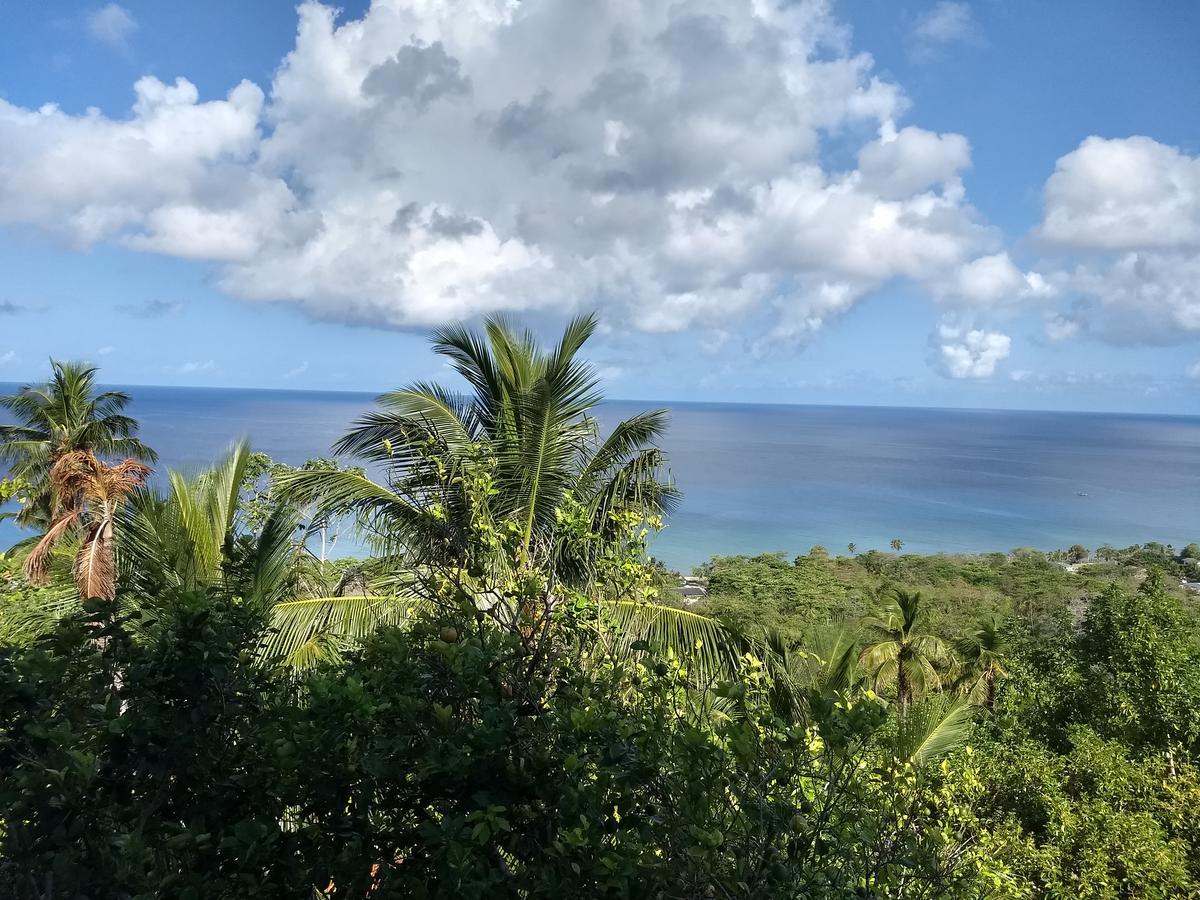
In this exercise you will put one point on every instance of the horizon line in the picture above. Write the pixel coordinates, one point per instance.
(665, 402)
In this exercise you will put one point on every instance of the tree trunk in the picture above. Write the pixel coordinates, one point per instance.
(902, 686)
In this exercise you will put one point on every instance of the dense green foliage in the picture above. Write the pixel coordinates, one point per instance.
(768, 591)
(435, 762)
(508, 698)
(1089, 767)
(1091, 760)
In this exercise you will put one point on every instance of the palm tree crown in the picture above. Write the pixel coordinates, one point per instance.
(64, 415)
(981, 653)
(193, 537)
(527, 424)
(899, 652)
(531, 409)
(98, 493)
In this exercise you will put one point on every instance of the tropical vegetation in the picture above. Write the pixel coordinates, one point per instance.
(502, 695)
(65, 415)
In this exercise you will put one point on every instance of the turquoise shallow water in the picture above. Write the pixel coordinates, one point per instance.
(763, 478)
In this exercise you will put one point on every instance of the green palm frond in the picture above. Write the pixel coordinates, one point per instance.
(470, 357)
(309, 630)
(306, 630)
(24, 619)
(627, 438)
(829, 664)
(932, 728)
(185, 539)
(275, 555)
(878, 654)
(705, 647)
(182, 538)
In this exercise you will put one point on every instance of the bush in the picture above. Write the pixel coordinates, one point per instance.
(140, 768)
(163, 759)
(1089, 766)
(1091, 822)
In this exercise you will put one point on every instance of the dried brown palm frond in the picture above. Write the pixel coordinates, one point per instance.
(37, 563)
(87, 493)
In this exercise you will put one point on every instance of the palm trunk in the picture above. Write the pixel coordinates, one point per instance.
(902, 686)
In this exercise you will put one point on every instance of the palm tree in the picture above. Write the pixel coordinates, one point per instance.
(529, 413)
(532, 409)
(852, 548)
(97, 495)
(901, 653)
(983, 667)
(896, 544)
(192, 538)
(64, 415)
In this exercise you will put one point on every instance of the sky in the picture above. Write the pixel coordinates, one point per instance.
(974, 204)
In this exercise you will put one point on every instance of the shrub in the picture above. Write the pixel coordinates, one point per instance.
(163, 759)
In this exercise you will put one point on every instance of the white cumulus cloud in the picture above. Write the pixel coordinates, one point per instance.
(90, 178)
(1123, 215)
(913, 160)
(663, 160)
(970, 352)
(992, 281)
(1123, 194)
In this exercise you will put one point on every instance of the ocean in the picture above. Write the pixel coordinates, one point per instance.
(759, 478)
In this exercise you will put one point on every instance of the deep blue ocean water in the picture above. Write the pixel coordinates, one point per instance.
(759, 478)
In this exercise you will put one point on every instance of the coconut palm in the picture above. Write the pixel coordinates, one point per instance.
(62, 416)
(899, 653)
(529, 418)
(982, 663)
(97, 495)
(191, 538)
(532, 408)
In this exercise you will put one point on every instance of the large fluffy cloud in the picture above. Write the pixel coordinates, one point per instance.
(1124, 194)
(1125, 216)
(89, 178)
(664, 160)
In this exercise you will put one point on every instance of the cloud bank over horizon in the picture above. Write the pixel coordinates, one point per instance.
(676, 165)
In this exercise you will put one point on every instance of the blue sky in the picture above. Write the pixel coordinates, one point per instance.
(965, 204)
